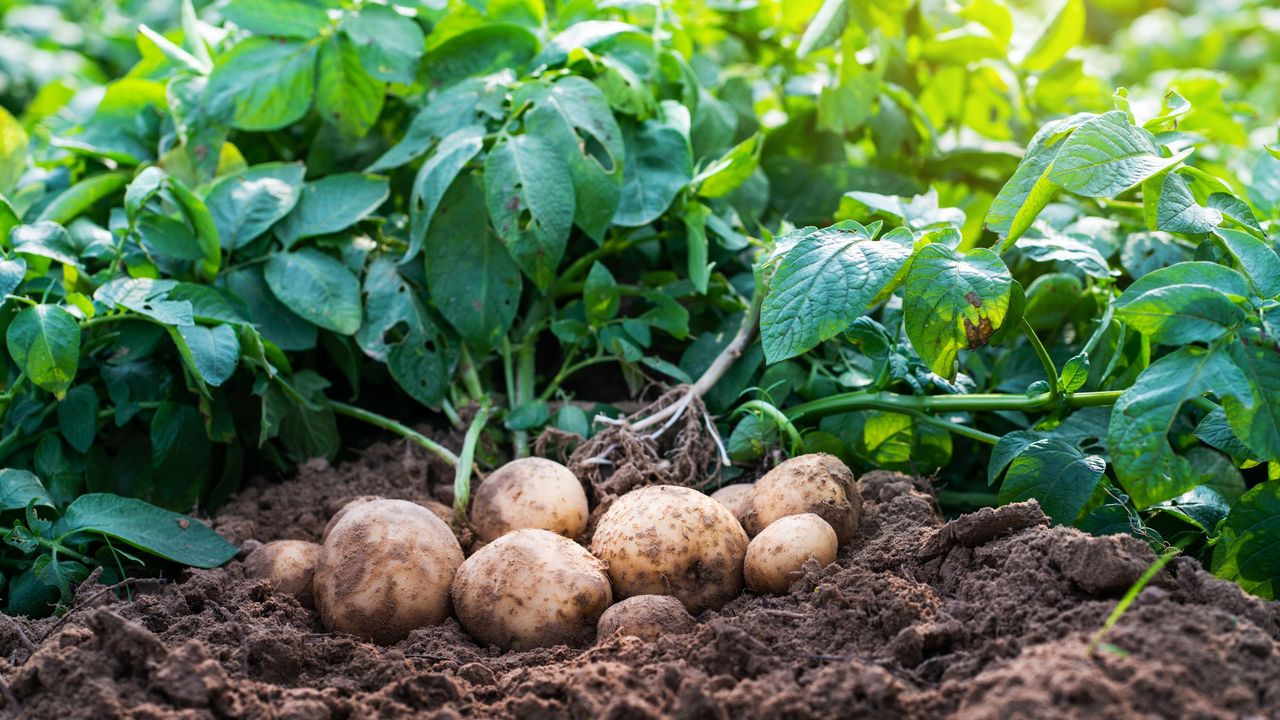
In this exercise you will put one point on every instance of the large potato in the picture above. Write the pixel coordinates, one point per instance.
(669, 540)
(531, 588)
(289, 565)
(529, 493)
(444, 512)
(817, 483)
(647, 617)
(776, 556)
(735, 497)
(385, 569)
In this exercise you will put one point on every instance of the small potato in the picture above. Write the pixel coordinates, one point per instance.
(531, 588)
(670, 540)
(775, 556)
(529, 493)
(817, 483)
(385, 569)
(647, 617)
(735, 497)
(288, 564)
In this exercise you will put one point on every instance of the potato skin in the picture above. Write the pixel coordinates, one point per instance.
(531, 588)
(670, 540)
(444, 512)
(816, 483)
(289, 565)
(529, 493)
(385, 569)
(647, 617)
(735, 497)
(775, 556)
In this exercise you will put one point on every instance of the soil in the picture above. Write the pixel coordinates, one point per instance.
(988, 616)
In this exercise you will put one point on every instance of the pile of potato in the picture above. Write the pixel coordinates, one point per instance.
(664, 552)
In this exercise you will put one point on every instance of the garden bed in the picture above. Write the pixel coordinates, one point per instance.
(990, 615)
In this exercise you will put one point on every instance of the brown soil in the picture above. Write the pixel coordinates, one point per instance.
(988, 616)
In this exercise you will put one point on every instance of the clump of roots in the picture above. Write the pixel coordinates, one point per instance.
(685, 449)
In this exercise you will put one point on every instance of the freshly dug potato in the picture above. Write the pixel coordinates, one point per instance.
(669, 540)
(444, 512)
(385, 569)
(775, 556)
(647, 617)
(735, 497)
(529, 493)
(817, 483)
(531, 588)
(288, 564)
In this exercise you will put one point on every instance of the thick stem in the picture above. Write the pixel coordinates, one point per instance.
(850, 402)
(778, 417)
(470, 379)
(462, 474)
(957, 428)
(524, 393)
(400, 429)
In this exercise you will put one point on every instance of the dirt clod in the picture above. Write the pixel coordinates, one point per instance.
(988, 616)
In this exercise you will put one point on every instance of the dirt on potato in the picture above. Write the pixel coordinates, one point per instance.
(988, 616)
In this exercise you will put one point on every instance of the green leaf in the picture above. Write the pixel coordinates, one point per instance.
(481, 50)
(1183, 303)
(573, 115)
(583, 35)
(144, 526)
(206, 227)
(436, 176)
(278, 323)
(694, 218)
(1216, 432)
(1107, 156)
(1248, 546)
(212, 352)
(463, 105)
(347, 97)
(472, 279)
(825, 27)
(246, 204)
(528, 416)
(529, 193)
(1057, 475)
(1075, 373)
(145, 185)
(1178, 211)
(44, 239)
(1061, 33)
(332, 203)
(180, 446)
(390, 45)
(19, 489)
(268, 83)
(732, 169)
(146, 297)
(44, 341)
(600, 296)
(1147, 466)
(165, 236)
(1255, 416)
(13, 150)
(954, 302)
(1259, 261)
(284, 18)
(1065, 250)
(82, 196)
(829, 279)
(1022, 198)
(11, 274)
(1206, 505)
(657, 167)
(1237, 211)
(78, 417)
(317, 287)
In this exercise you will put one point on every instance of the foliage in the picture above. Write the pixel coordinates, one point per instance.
(279, 214)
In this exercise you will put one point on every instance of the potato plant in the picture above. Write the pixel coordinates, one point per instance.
(234, 237)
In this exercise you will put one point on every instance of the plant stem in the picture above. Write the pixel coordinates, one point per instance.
(524, 392)
(400, 429)
(778, 417)
(957, 428)
(470, 379)
(462, 473)
(849, 402)
(1055, 388)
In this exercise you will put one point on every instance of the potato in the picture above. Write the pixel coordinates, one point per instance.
(816, 483)
(669, 540)
(529, 493)
(288, 564)
(385, 569)
(735, 497)
(775, 556)
(444, 512)
(647, 617)
(531, 588)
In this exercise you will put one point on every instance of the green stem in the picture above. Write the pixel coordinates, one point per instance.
(470, 379)
(462, 474)
(957, 428)
(400, 429)
(1055, 388)
(778, 417)
(850, 402)
(57, 547)
(524, 393)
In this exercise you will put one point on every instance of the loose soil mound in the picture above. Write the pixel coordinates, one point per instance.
(988, 616)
